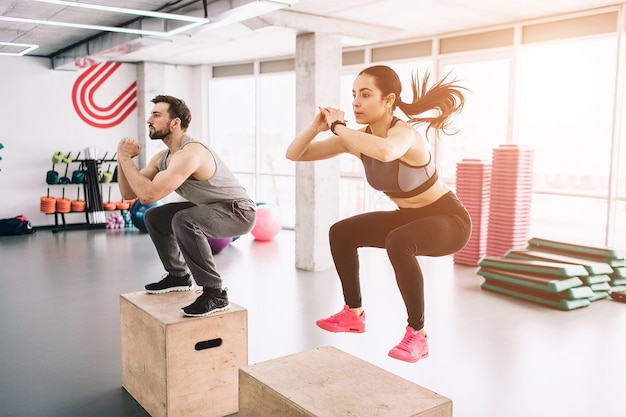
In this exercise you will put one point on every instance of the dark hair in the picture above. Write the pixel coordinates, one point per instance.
(178, 108)
(446, 98)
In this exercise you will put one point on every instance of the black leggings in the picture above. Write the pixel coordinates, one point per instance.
(438, 229)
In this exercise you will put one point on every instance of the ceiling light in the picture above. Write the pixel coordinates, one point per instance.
(135, 12)
(194, 21)
(25, 48)
(103, 28)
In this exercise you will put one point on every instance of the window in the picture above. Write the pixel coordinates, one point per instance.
(566, 113)
(233, 122)
(566, 116)
(483, 123)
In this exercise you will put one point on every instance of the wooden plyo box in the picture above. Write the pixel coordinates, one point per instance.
(326, 382)
(181, 366)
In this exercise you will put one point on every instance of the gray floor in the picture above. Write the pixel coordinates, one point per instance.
(492, 355)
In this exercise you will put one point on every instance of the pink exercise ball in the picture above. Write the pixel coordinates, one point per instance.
(268, 222)
(219, 244)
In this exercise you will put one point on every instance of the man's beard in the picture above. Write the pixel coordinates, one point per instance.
(159, 134)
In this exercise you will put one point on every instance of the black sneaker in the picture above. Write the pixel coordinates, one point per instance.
(210, 301)
(170, 283)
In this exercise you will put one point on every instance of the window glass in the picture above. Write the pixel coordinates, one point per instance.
(281, 192)
(233, 122)
(351, 196)
(349, 164)
(482, 124)
(566, 112)
(576, 220)
(619, 238)
(277, 122)
(248, 181)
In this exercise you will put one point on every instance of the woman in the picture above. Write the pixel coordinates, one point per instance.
(429, 221)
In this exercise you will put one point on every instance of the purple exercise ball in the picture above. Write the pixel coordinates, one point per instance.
(219, 244)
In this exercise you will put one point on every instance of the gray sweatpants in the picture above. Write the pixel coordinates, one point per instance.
(179, 232)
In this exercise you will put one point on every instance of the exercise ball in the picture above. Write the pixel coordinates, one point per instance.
(268, 222)
(219, 244)
(137, 212)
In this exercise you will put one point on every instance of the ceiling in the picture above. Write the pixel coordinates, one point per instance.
(270, 35)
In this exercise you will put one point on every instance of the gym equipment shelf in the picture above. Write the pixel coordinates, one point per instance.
(94, 211)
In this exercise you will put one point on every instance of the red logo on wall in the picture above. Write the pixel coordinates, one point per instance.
(102, 116)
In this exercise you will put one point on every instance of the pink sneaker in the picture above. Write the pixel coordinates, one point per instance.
(412, 348)
(344, 321)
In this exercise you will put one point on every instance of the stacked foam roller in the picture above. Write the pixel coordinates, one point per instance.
(473, 182)
(509, 206)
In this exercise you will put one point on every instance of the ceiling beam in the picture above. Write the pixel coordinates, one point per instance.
(306, 23)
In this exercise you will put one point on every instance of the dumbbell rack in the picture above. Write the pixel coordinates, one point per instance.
(95, 217)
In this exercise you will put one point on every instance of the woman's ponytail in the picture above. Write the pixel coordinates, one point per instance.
(445, 98)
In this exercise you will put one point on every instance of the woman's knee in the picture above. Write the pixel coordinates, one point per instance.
(402, 243)
(339, 232)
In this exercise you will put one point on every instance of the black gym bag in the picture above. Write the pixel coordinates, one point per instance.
(18, 225)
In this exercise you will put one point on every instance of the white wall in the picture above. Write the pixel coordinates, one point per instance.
(39, 119)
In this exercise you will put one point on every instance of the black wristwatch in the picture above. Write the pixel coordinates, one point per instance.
(334, 124)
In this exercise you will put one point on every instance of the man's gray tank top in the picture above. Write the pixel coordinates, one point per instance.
(222, 186)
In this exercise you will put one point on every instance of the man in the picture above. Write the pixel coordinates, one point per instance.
(217, 205)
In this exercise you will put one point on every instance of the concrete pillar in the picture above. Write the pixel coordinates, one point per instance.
(318, 71)
(150, 82)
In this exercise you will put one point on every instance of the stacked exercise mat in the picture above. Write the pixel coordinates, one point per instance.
(562, 275)
(509, 205)
(473, 186)
(497, 195)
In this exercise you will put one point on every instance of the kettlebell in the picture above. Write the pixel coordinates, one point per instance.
(78, 177)
(52, 177)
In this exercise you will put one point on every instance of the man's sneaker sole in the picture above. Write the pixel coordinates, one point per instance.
(216, 310)
(171, 289)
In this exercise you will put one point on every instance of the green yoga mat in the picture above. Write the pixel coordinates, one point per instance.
(608, 253)
(599, 295)
(544, 282)
(578, 292)
(534, 266)
(546, 299)
(619, 272)
(596, 279)
(603, 286)
(610, 256)
(594, 268)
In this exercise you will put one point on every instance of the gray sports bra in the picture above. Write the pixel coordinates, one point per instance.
(396, 178)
